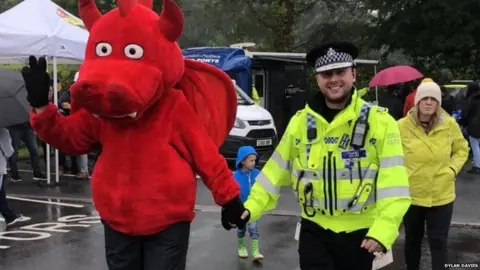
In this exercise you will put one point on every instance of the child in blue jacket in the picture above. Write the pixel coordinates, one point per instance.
(245, 175)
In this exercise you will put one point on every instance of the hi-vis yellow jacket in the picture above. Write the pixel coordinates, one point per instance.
(327, 168)
(433, 160)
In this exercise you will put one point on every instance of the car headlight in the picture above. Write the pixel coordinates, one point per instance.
(239, 123)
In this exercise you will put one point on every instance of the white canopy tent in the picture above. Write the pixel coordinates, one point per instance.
(42, 28)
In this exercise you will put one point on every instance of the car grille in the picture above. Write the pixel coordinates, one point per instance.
(261, 133)
(259, 122)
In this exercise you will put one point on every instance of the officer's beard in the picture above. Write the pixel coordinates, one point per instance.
(338, 102)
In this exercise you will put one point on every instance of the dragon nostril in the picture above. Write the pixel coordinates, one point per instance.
(115, 93)
(86, 86)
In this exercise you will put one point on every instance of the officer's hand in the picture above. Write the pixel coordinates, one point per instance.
(231, 213)
(37, 81)
(372, 246)
(245, 215)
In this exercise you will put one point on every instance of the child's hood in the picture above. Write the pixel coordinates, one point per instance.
(244, 152)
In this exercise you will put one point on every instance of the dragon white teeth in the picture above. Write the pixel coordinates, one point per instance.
(131, 115)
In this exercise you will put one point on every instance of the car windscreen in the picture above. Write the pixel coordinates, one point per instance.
(242, 98)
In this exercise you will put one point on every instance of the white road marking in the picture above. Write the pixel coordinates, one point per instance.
(45, 202)
(22, 219)
(71, 175)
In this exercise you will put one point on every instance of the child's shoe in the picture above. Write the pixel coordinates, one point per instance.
(257, 256)
(242, 250)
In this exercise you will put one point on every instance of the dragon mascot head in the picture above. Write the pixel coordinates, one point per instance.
(132, 58)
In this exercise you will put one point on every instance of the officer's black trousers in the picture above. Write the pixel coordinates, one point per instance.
(438, 221)
(321, 249)
(166, 250)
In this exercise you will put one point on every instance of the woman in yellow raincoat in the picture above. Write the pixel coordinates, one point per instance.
(435, 152)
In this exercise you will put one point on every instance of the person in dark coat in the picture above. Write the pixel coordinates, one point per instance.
(392, 101)
(471, 119)
(448, 103)
(460, 99)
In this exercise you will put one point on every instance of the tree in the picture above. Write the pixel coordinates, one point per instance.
(280, 17)
(436, 34)
(8, 4)
(269, 23)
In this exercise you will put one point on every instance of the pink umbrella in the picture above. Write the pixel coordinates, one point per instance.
(394, 75)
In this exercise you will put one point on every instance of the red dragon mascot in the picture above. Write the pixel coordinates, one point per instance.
(158, 119)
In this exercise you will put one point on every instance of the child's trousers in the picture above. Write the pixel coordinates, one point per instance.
(252, 230)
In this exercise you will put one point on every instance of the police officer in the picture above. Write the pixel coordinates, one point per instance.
(344, 160)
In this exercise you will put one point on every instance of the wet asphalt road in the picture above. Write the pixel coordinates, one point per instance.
(466, 203)
(211, 247)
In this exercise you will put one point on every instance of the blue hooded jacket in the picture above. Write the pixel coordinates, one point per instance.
(245, 179)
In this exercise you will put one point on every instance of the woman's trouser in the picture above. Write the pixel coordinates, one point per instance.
(438, 219)
(166, 250)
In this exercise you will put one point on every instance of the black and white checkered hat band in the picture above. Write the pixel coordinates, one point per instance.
(333, 60)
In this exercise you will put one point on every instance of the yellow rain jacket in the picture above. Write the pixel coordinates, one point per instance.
(323, 170)
(433, 160)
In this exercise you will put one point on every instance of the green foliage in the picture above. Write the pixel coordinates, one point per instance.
(64, 72)
(270, 24)
(436, 34)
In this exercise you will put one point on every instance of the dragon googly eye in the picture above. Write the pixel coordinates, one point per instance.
(103, 49)
(133, 51)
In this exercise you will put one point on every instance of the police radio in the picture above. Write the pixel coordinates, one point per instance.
(359, 133)
(360, 130)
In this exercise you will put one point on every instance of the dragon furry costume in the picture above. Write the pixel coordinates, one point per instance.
(158, 119)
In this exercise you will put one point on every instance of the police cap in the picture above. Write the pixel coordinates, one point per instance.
(332, 55)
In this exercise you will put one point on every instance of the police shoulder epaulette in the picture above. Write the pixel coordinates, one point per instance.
(381, 109)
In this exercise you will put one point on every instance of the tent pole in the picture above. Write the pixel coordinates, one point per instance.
(55, 100)
(47, 157)
(48, 182)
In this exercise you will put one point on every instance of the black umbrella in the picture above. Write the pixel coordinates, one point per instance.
(14, 107)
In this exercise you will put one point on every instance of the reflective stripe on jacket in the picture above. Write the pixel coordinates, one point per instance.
(341, 202)
(433, 159)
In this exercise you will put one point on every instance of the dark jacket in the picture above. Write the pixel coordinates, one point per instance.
(471, 117)
(23, 126)
(448, 104)
(393, 103)
(64, 97)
